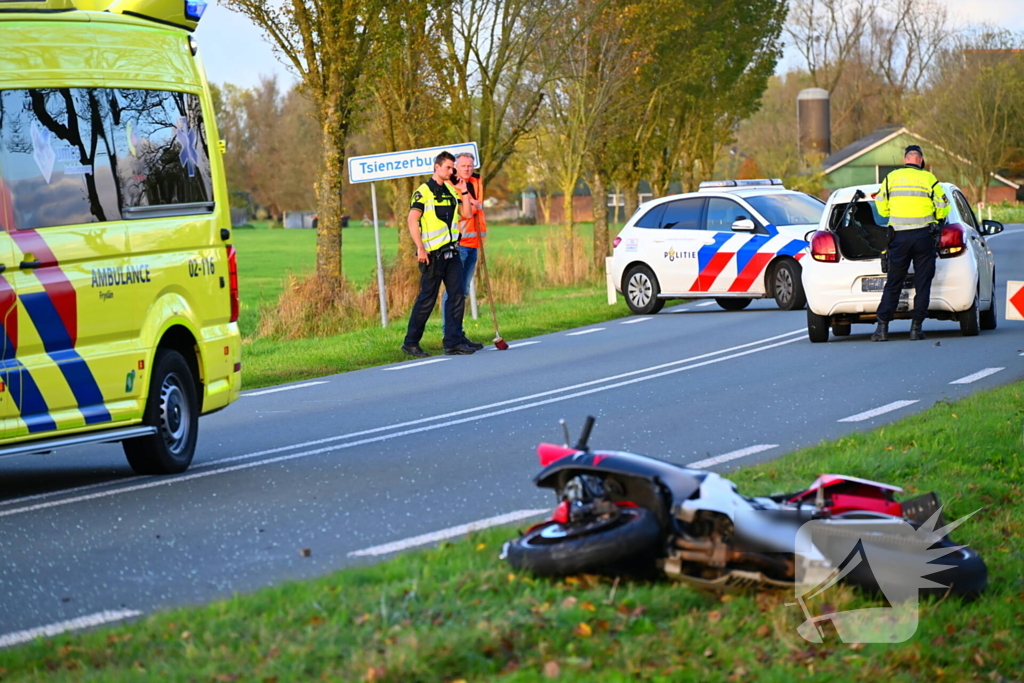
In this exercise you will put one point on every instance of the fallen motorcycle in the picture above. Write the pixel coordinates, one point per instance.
(693, 525)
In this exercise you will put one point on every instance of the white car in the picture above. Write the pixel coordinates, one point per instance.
(733, 241)
(843, 278)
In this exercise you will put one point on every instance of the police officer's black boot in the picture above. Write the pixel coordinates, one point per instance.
(915, 330)
(881, 332)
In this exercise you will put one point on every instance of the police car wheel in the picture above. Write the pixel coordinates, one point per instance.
(787, 287)
(733, 304)
(990, 318)
(970, 320)
(642, 291)
(173, 408)
(817, 327)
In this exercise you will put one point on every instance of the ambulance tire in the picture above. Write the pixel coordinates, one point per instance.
(787, 287)
(733, 304)
(173, 408)
(817, 327)
(641, 289)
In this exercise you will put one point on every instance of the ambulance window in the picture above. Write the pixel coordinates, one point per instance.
(54, 158)
(162, 155)
(651, 219)
(683, 214)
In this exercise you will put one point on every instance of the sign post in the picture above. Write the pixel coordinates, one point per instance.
(1014, 300)
(369, 169)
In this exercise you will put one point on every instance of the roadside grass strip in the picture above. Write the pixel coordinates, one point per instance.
(456, 612)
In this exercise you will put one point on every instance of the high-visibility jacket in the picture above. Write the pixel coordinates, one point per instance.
(437, 231)
(911, 198)
(474, 228)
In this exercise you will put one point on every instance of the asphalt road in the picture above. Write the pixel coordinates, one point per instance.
(348, 462)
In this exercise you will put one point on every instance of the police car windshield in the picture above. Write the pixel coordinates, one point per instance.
(788, 209)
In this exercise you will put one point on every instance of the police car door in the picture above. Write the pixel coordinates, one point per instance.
(678, 244)
(74, 323)
(731, 267)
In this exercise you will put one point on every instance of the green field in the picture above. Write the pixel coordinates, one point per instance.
(266, 257)
(456, 612)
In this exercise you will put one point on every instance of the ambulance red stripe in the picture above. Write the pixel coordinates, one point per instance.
(54, 281)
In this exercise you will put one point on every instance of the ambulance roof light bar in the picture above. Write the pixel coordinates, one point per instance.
(760, 182)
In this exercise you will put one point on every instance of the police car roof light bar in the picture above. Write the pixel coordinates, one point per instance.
(758, 182)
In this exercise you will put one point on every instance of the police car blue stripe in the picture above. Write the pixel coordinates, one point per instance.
(57, 343)
(793, 248)
(772, 230)
(747, 251)
(708, 251)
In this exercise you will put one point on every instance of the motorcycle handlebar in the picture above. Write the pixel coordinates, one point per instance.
(585, 434)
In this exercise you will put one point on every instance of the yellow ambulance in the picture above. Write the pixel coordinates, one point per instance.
(118, 283)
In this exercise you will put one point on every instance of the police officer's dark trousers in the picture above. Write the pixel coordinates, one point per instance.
(449, 272)
(917, 246)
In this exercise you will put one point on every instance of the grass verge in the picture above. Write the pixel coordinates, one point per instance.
(270, 361)
(456, 612)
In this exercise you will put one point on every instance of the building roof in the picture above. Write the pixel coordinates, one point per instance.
(862, 146)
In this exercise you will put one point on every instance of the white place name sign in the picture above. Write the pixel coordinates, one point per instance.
(403, 164)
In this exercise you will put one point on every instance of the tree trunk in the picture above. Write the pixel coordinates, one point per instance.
(544, 204)
(568, 219)
(599, 192)
(631, 195)
(329, 199)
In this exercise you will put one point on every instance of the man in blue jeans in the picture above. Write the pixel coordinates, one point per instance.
(472, 229)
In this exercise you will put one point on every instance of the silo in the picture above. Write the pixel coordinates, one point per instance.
(814, 122)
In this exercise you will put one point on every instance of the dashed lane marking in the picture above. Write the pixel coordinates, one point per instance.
(406, 366)
(450, 532)
(881, 410)
(88, 621)
(980, 374)
(278, 389)
(634, 320)
(732, 455)
(592, 329)
(707, 303)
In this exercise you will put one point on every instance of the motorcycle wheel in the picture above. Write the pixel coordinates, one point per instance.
(555, 549)
(966, 575)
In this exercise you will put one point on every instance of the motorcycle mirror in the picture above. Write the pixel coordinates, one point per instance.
(565, 432)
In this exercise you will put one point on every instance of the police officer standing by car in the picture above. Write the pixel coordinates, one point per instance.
(915, 203)
(434, 228)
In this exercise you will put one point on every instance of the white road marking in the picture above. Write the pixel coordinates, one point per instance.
(634, 320)
(150, 482)
(732, 455)
(707, 303)
(881, 410)
(592, 329)
(517, 345)
(406, 366)
(51, 630)
(980, 374)
(288, 388)
(443, 534)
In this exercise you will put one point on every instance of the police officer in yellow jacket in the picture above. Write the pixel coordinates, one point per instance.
(914, 202)
(434, 228)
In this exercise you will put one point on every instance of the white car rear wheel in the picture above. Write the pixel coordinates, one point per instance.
(970, 320)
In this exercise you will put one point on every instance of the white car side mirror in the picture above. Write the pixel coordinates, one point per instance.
(743, 225)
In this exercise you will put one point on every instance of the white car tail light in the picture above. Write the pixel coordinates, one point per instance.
(953, 241)
(823, 247)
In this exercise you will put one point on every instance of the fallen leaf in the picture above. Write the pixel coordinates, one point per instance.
(226, 678)
(315, 621)
(856, 647)
(481, 546)
(552, 670)
(305, 552)
(185, 635)
(374, 673)
(978, 659)
(714, 616)
(569, 602)
(763, 630)
(511, 578)
(709, 652)
(363, 618)
(589, 606)
(726, 598)
(583, 630)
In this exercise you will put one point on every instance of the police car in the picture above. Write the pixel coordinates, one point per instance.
(118, 281)
(732, 240)
(843, 277)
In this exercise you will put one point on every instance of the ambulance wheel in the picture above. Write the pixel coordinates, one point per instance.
(173, 408)
(817, 327)
(787, 286)
(642, 290)
(733, 304)
(970, 320)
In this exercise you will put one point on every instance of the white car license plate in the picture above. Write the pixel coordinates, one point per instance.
(877, 284)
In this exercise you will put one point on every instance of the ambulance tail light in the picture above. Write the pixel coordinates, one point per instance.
(952, 242)
(823, 247)
(233, 282)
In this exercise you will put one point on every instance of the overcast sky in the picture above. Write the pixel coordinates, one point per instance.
(234, 50)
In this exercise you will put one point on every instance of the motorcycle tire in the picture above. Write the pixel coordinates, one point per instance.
(634, 531)
(965, 576)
